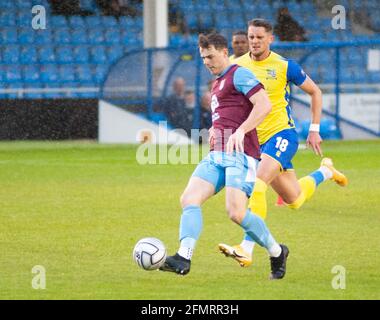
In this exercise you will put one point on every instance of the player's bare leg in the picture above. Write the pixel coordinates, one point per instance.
(236, 202)
(256, 228)
(267, 170)
(295, 192)
(287, 186)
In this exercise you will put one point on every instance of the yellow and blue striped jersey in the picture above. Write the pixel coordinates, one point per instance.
(232, 58)
(275, 73)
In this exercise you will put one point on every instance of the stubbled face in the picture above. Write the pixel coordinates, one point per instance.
(215, 60)
(259, 41)
(240, 45)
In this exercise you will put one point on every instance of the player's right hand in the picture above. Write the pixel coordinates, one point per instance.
(211, 136)
(314, 141)
(236, 141)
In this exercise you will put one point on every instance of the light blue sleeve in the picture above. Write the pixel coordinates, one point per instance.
(245, 80)
(295, 73)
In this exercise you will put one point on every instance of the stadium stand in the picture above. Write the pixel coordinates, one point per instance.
(78, 49)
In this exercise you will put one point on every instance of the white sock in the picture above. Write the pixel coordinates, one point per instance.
(326, 172)
(247, 246)
(275, 250)
(185, 252)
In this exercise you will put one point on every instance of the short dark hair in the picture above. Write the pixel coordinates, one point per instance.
(212, 39)
(240, 33)
(261, 23)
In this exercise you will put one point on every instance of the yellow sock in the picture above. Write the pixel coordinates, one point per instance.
(307, 186)
(258, 200)
(307, 190)
(298, 203)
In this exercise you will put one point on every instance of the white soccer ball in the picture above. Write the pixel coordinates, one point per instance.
(149, 253)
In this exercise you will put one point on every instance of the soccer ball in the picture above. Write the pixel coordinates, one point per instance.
(149, 253)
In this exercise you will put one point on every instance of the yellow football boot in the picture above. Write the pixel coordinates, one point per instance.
(237, 253)
(338, 177)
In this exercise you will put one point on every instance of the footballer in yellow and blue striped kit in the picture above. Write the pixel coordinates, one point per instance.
(276, 73)
(277, 136)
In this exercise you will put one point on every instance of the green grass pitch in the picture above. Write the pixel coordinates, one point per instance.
(77, 209)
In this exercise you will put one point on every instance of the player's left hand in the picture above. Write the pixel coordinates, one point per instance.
(314, 141)
(235, 141)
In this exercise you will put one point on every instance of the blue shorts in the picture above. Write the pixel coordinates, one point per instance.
(237, 171)
(282, 147)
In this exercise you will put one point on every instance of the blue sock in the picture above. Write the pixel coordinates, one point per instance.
(247, 237)
(256, 230)
(191, 226)
(317, 176)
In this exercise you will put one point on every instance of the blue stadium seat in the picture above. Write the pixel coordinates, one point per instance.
(29, 55)
(187, 6)
(64, 55)
(238, 20)
(223, 21)
(13, 73)
(7, 20)
(130, 41)
(26, 36)
(126, 22)
(66, 74)
(7, 5)
(100, 73)
(31, 74)
(81, 54)
(112, 36)
(11, 54)
(46, 54)
(42, 37)
(98, 54)
(114, 53)
(192, 21)
(22, 4)
(76, 22)
(9, 36)
(49, 74)
(58, 22)
(24, 19)
(45, 3)
(93, 22)
(79, 36)
(177, 40)
(95, 36)
(84, 74)
(109, 21)
(62, 36)
(206, 21)
(329, 130)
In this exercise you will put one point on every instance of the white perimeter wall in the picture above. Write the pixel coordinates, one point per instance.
(117, 125)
